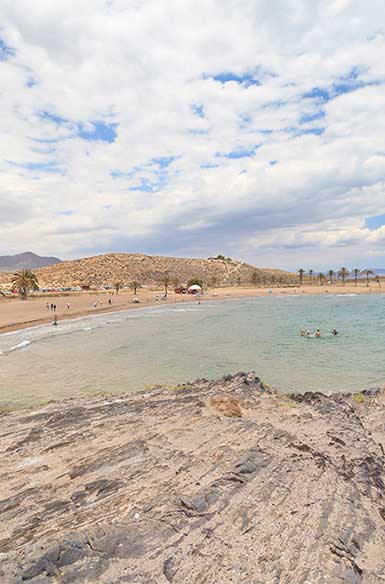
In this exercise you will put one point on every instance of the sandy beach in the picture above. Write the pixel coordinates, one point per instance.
(16, 314)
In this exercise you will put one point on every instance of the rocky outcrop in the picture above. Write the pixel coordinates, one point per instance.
(210, 482)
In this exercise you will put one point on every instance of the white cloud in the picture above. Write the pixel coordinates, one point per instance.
(319, 162)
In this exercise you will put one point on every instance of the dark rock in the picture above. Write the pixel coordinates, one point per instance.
(152, 487)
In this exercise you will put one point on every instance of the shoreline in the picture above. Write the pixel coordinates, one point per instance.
(123, 302)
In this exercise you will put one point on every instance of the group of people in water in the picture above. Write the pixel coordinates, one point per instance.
(317, 334)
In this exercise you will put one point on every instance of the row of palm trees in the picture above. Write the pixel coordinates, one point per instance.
(343, 273)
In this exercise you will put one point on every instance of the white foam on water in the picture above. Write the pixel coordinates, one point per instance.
(8, 341)
(20, 345)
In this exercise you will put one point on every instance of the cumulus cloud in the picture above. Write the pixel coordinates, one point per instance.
(252, 129)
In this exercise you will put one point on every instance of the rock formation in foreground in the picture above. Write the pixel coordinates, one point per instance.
(215, 482)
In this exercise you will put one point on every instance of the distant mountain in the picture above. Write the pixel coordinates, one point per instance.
(24, 260)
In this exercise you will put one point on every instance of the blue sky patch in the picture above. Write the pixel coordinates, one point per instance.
(374, 222)
(247, 80)
(318, 93)
(38, 166)
(163, 161)
(306, 118)
(100, 131)
(240, 153)
(6, 52)
(94, 131)
(149, 186)
(315, 131)
(31, 82)
(198, 110)
(302, 131)
(197, 132)
(344, 84)
(48, 116)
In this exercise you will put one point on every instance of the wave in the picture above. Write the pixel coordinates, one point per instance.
(20, 345)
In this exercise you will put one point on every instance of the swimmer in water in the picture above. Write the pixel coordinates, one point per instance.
(318, 333)
(302, 332)
(334, 333)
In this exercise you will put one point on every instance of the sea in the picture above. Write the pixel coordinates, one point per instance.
(173, 344)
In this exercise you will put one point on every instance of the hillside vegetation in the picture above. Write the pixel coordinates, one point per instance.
(104, 270)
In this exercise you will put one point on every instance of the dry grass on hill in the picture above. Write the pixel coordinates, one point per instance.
(104, 270)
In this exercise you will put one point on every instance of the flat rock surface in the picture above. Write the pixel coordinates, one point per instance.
(214, 482)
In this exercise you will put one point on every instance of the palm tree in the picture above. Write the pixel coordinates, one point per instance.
(24, 282)
(356, 271)
(118, 285)
(321, 278)
(343, 273)
(301, 273)
(367, 273)
(331, 275)
(134, 286)
(166, 281)
(377, 278)
(311, 276)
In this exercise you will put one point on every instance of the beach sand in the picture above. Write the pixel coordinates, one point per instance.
(17, 314)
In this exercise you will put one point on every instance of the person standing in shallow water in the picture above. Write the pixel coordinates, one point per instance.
(318, 333)
(334, 333)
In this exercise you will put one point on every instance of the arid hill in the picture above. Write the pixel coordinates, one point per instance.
(104, 270)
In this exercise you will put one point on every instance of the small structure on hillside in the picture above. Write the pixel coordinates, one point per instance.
(195, 289)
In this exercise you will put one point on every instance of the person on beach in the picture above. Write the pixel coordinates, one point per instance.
(55, 321)
(109, 301)
(95, 304)
(318, 333)
(47, 305)
(68, 305)
(51, 306)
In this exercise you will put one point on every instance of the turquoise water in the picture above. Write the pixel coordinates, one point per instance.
(173, 344)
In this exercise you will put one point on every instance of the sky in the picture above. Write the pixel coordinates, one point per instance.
(253, 128)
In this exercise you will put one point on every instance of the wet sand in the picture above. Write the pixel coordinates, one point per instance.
(17, 314)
